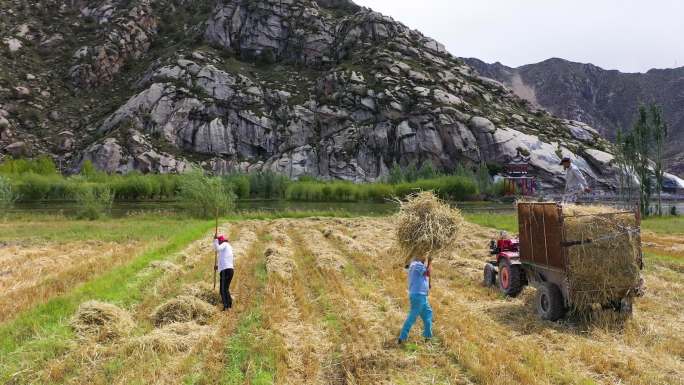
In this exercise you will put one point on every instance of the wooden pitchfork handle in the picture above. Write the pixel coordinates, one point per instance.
(215, 251)
(429, 272)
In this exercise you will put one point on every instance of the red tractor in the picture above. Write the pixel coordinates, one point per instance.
(507, 266)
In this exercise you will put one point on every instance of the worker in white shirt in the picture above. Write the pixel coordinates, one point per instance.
(225, 268)
(575, 183)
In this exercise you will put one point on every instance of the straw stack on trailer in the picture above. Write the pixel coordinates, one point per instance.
(603, 253)
(426, 225)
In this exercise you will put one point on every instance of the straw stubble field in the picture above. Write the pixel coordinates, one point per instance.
(321, 301)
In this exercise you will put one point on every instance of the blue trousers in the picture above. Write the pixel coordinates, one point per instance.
(419, 307)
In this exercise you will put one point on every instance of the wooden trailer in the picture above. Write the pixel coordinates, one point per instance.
(541, 257)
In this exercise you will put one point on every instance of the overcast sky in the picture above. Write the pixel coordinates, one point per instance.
(628, 35)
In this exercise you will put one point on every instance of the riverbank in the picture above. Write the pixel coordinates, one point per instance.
(37, 180)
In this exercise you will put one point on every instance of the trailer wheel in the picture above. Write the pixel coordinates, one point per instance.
(626, 306)
(510, 278)
(550, 302)
(489, 275)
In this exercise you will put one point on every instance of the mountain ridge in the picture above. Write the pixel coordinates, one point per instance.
(304, 88)
(605, 99)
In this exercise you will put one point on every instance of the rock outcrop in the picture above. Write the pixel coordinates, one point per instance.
(136, 154)
(126, 34)
(321, 88)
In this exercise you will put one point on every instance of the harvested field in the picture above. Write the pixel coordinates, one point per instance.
(321, 301)
(34, 272)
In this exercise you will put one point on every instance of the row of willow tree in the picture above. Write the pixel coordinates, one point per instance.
(640, 152)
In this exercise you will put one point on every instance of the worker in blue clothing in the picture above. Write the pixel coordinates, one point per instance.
(419, 286)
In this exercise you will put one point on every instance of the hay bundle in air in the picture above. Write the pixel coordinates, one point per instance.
(605, 264)
(183, 308)
(426, 225)
(101, 321)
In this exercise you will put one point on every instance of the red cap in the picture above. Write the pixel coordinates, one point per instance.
(221, 238)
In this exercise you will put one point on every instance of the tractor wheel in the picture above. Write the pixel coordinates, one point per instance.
(510, 278)
(550, 304)
(489, 275)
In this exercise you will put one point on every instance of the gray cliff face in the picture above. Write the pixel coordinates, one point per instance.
(322, 88)
(126, 36)
(606, 100)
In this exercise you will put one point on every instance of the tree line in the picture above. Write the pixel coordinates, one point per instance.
(640, 153)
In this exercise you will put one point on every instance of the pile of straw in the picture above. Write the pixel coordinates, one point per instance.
(172, 338)
(279, 263)
(203, 291)
(606, 268)
(101, 321)
(426, 225)
(183, 308)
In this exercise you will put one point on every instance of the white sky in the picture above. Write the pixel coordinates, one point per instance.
(628, 35)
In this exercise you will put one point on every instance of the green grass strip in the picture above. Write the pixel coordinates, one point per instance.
(509, 222)
(296, 214)
(664, 258)
(246, 363)
(506, 222)
(664, 225)
(42, 333)
(250, 357)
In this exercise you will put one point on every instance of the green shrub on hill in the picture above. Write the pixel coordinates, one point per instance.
(43, 165)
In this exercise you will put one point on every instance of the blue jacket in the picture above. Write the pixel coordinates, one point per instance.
(418, 278)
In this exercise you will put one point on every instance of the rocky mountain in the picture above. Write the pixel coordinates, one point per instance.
(323, 88)
(606, 100)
